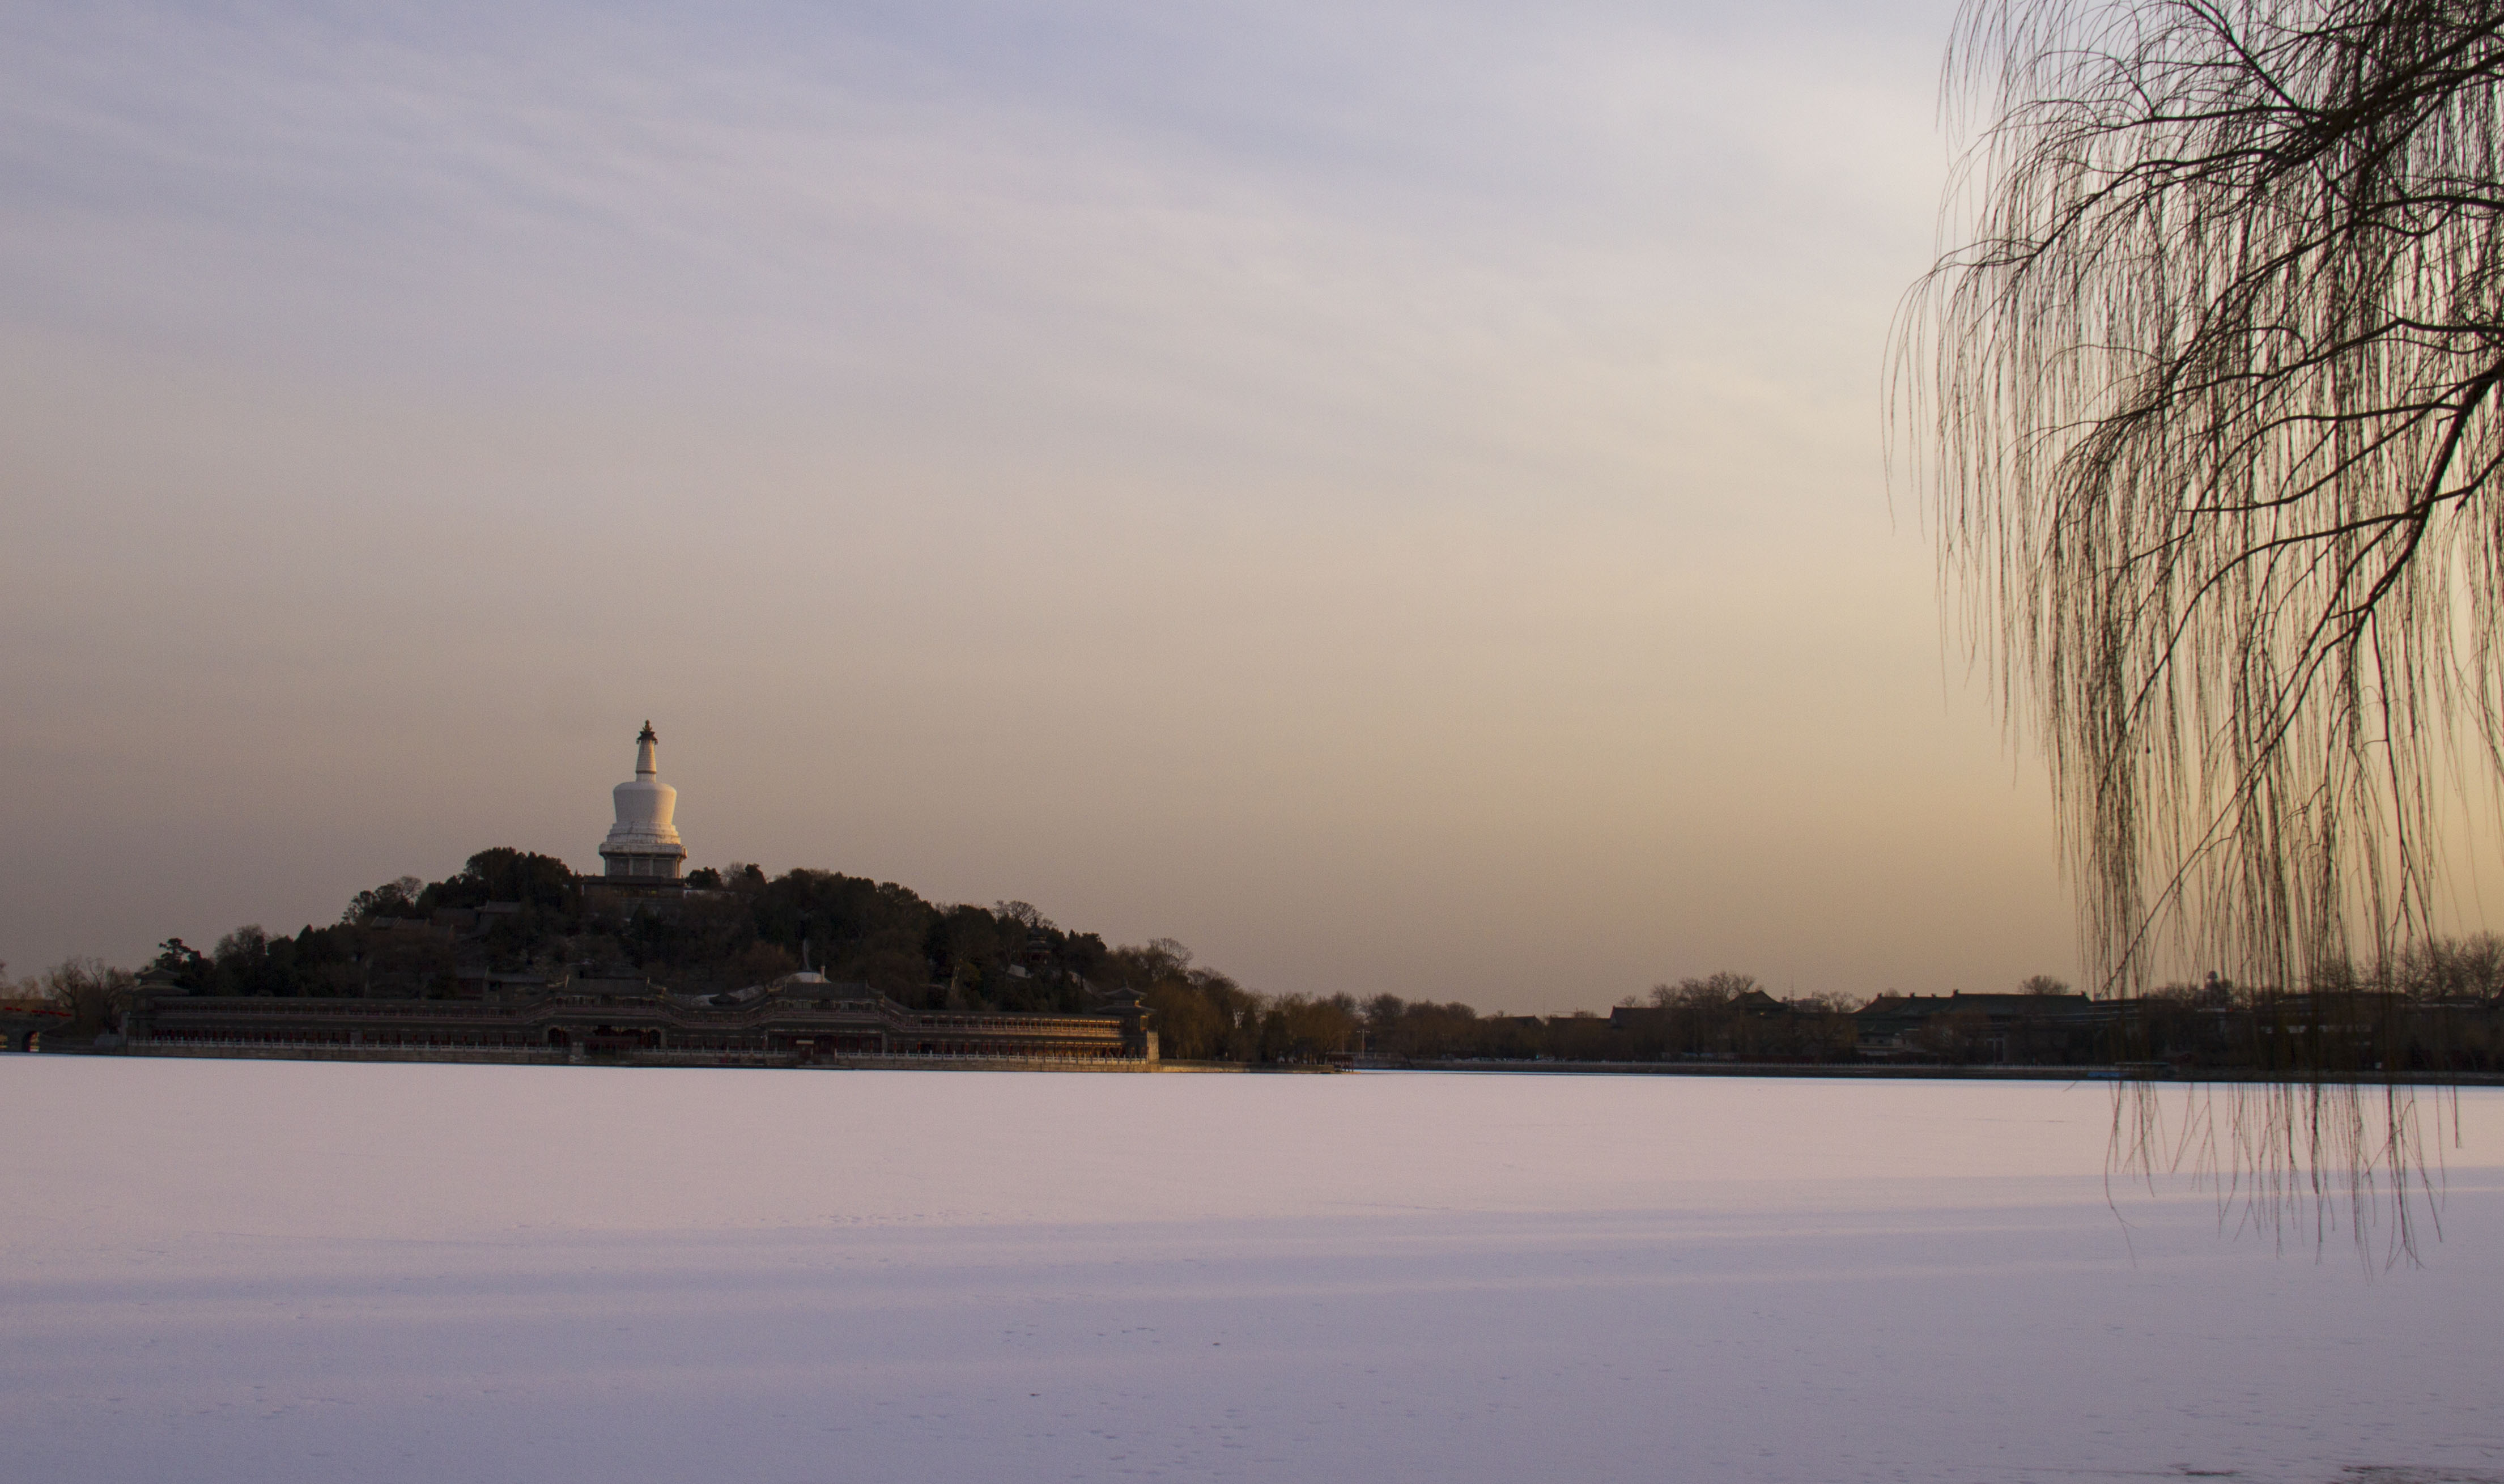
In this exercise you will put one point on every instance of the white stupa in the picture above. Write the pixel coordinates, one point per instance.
(643, 843)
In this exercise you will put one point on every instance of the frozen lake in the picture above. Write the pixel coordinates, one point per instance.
(266, 1272)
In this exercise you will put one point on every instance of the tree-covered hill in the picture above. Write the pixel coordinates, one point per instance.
(513, 912)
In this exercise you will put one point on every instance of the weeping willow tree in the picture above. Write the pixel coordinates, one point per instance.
(2207, 412)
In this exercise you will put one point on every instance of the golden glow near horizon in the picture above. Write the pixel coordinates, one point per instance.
(1395, 501)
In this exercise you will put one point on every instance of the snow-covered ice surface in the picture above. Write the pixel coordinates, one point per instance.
(271, 1271)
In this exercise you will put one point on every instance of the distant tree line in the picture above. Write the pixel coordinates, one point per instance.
(2436, 1006)
(1724, 1015)
(2440, 1004)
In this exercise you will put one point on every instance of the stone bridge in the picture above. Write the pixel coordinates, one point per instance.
(21, 1024)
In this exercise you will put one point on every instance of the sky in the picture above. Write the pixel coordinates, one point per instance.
(1394, 498)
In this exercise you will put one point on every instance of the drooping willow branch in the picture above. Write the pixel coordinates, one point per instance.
(2206, 408)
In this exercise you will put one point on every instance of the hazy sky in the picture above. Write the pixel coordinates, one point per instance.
(1391, 497)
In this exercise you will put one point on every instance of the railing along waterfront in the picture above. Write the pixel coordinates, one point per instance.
(576, 1053)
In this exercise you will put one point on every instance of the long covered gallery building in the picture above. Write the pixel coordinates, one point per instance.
(799, 1020)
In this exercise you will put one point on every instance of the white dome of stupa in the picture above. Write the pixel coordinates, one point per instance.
(643, 843)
